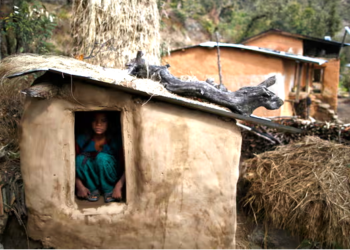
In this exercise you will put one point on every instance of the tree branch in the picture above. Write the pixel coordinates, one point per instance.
(244, 101)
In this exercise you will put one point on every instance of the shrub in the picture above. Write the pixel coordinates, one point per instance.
(180, 15)
(345, 81)
(28, 28)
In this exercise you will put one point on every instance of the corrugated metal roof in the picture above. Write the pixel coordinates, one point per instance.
(177, 100)
(303, 37)
(265, 51)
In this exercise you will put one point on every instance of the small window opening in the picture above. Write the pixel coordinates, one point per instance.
(320, 49)
(317, 80)
(99, 162)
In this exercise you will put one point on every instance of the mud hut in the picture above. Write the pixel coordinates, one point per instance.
(181, 160)
(181, 164)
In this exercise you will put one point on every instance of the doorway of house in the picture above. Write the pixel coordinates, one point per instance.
(89, 155)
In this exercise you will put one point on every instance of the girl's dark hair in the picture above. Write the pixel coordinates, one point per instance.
(84, 121)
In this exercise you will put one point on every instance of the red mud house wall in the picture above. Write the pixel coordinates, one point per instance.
(239, 68)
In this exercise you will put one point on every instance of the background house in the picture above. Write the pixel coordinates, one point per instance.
(304, 66)
(322, 81)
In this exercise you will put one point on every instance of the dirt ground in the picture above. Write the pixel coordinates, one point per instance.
(15, 236)
(343, 110)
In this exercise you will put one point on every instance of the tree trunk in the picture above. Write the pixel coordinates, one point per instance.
(109, 33)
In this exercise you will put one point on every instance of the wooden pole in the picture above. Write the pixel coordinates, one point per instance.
(296, 73)
(311, 77)
(307, 78)
(300, 72)
(342, 43)
(219, 63)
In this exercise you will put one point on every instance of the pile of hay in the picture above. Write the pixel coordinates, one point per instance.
(111, 32)
(11, 108)
(303, 187)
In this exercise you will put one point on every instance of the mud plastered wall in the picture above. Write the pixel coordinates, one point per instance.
(181, 175)
(240, 68)
(278, 42)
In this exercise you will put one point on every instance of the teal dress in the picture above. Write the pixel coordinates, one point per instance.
(98, 170)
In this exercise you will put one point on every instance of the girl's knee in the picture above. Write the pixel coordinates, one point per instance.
(105, 161)
(104, 158)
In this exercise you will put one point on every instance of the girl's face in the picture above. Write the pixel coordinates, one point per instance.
(100, 123)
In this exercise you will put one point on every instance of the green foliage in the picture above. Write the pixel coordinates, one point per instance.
(314, 17)
(208, 25)
(28, 29)
(181, 15)
(239, 19)
(345, 10)
(63, 14)
(345, 81)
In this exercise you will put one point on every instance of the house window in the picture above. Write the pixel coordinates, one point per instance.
(317, 80)
(99, 162)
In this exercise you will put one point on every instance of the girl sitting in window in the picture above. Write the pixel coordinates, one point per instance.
(99, 163)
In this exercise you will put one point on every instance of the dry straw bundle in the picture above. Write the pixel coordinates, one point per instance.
(111, 32)
(303, 187)
(11, 108)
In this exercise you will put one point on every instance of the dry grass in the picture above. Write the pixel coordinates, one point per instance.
(11, 109)
(119, 28)
(303, 187)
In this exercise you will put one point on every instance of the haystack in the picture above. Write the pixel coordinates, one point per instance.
(303, 187)
(110, 33)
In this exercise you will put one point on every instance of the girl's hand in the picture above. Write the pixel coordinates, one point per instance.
(117, 191)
